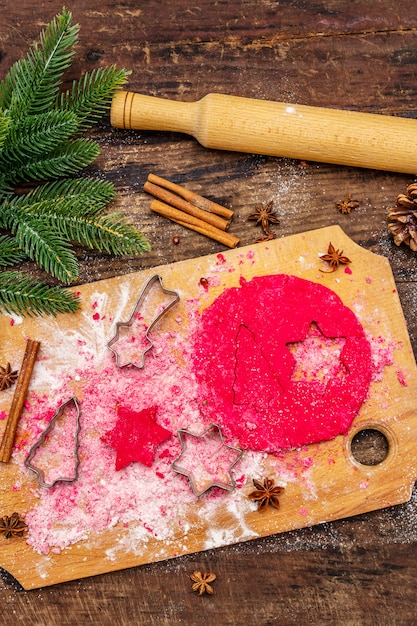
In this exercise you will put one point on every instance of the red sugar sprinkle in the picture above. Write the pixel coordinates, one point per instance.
(401, 378)
(240, 481)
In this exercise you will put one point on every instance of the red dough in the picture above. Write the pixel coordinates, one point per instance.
(135, 437)
(245, 367)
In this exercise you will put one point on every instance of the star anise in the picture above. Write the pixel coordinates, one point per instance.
(334, 258)
(7, 377)
(346, 205)
(12, 526)
(267, 237)
(265, 216)
(265, 494)
(201, 582)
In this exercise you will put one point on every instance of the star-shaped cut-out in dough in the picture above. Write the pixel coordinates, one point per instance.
(317, 357)
(206, 460)
(135, 436)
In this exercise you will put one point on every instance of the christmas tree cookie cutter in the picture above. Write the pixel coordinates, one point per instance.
(33, 450)
(155, 278)
(191, 473)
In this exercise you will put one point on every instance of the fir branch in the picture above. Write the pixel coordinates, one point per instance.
(48, 249)
(22, 295)
(4, 127)
(41, 244)
(36, 136)
(38, 141)
(77, 216)
(10, 253)
(67, 159)
(84, 193)
(107, 233)
(32, 84)
(79, 197)
(91, 96)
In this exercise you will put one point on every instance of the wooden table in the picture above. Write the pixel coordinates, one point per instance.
(358, 56)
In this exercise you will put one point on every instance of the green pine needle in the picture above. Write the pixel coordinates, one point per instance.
(91, 96)
(71, 216)
(4, 127)
(34, 134)
(35, 137)
(48, 249)
(70, 198)
(32, 84)
(10, 253)
(39, 141)
(108, 233)
(22, 295)
(66, 159)
(41, 244)
(75, 193)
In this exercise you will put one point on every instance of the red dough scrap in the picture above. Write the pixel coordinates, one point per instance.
(135, 436)
(249, 379)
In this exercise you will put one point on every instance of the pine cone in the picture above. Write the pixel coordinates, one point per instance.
(402, 220)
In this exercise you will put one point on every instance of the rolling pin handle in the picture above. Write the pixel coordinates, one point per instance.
(140, 112)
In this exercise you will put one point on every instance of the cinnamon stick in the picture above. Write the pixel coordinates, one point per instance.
(19, 397)
(193, 223)
(193, 198)
(183, 205)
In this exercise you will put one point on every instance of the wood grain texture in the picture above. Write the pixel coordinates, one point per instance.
(355, 55)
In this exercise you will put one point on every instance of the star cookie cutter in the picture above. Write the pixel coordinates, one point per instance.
(191, 474)
(33, 450)
(156, 278)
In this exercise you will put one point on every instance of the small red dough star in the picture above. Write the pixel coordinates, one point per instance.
(135, 436)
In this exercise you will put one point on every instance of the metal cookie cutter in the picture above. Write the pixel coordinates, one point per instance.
(142, 296)
(32, 452)
(190, 473)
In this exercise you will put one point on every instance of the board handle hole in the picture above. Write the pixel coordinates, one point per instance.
(369, 446)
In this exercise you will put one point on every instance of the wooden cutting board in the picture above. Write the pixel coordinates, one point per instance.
(329, 483)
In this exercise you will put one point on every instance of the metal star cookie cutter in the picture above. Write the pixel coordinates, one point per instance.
(190, 474)
(32, 452)
(142, 296)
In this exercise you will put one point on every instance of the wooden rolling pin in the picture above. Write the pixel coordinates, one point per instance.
(278, 129)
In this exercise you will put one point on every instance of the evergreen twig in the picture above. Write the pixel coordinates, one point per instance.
(22, 295)
(10, 253)
(39, 141)
(89, 97)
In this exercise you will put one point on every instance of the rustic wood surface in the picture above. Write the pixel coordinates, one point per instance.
(352, 55)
